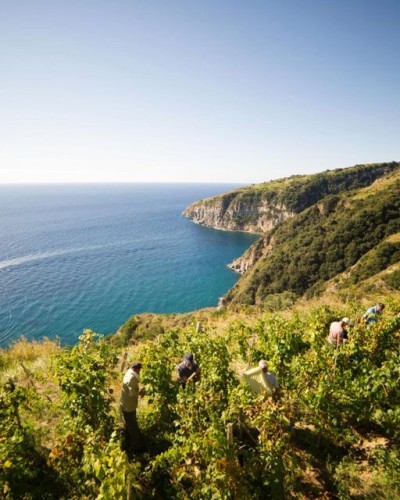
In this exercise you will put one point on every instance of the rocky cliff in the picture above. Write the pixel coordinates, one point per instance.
(238, 211)
(260, 208)
(245, 262)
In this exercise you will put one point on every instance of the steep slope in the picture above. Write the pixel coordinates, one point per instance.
(324, 240)
(261, 207)
(376, 274)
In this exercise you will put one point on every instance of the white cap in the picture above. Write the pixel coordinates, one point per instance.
(263, 364)
(345, 320)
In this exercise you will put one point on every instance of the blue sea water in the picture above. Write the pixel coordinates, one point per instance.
(90, 256)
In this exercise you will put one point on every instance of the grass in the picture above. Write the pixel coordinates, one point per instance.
(24, 357)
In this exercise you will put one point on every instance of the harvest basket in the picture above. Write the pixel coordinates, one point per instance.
(256, 380)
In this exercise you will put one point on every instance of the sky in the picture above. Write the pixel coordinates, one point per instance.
(237, 91)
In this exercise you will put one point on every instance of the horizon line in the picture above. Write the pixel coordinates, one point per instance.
(81, 183)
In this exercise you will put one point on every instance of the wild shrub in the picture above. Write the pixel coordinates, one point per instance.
(23, 469)
(83, 373)
(108, 472)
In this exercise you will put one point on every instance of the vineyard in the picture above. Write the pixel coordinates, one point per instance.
(332, 432)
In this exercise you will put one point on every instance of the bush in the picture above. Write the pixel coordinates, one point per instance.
(83, 373)
(393, 279)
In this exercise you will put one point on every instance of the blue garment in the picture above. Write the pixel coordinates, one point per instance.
(371, 316)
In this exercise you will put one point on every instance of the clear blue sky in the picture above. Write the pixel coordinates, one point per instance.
(201, 91)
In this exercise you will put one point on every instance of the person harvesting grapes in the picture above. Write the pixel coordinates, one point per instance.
(128, 404)
(372, 314)
(338, 332)
(188, 370)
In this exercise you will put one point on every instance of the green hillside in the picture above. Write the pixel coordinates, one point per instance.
(301, 191)
(327, 239)
(254, 208)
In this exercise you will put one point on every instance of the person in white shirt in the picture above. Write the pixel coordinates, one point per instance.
(269, 377)
(338, 332)
(128, 404)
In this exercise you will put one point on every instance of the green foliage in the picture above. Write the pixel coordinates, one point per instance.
(336, 392)
(17, 462)
(94, 467)
(279, 340)
(393, 279)
(83, 373)
(200, 467)
(108, 472)
(381, 481)
(158, 360)
(23, 468)
(87, 456)
(128, 330)
(388, 465)
(140, 328)
(305, 192)
(214, 438)
(279, 301)
(381, 257)
(320, 243)
(200, 462)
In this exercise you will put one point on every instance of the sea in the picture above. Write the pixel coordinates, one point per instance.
(90, 256)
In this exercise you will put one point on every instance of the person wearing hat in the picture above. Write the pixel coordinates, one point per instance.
(128, 404)
(372, 314)
(338, 331)
(188, 370)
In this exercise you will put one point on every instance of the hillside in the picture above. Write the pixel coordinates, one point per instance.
(316, 227)
(332, 432)
(327, 239)
(260, 207)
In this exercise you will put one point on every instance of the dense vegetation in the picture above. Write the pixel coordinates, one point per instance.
(299, 192)
(335, 427)
(382, 256)
(302, 192)
(325, 240)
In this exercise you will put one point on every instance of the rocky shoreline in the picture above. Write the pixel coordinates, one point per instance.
(237, 211)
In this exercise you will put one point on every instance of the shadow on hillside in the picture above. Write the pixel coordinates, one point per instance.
(323, 455)
(39, 481)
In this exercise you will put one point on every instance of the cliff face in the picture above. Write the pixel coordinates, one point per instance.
(260, 248)
(261, 207)
(238, 212)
